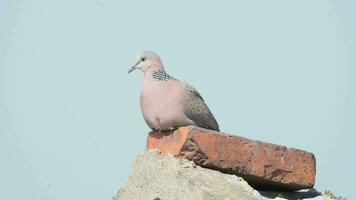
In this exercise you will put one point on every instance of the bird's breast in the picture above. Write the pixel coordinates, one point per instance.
(162, 103)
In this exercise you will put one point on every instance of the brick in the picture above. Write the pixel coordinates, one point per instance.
(263, 165)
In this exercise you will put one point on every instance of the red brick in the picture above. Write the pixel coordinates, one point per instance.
(262, 165)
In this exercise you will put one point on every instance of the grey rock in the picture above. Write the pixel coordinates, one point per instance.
(160, 177)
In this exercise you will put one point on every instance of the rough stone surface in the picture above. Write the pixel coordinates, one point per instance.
(262, 165)
(162, 177)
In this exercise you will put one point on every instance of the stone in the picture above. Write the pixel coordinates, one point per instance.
(156, 176)
(262, 165)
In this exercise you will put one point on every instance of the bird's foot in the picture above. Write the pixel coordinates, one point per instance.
(172, 128)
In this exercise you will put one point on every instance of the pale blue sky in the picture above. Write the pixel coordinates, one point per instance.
(70, 122)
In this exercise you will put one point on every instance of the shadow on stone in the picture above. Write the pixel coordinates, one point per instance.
(302, 194)
(160, 134)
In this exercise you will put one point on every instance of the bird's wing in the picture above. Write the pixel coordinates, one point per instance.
(196, 109)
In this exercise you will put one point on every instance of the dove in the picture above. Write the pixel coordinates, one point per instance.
(166, 102)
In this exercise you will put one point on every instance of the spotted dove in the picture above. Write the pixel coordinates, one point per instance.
(167, 103)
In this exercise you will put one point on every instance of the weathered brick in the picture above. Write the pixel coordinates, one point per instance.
(262, 165)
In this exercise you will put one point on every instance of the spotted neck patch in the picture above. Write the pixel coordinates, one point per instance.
(160, 75)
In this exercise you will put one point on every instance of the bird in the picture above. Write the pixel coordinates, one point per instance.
(166, 102)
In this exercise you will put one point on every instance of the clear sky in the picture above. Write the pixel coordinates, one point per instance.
(70, 123)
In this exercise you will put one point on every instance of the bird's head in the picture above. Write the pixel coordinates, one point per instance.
(147, 61)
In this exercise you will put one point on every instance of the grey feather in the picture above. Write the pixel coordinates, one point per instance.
(196, 109)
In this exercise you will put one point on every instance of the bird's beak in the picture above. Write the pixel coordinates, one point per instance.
(132, 68)
(135, 66)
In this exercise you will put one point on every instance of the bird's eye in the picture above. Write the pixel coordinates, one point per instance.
(143, 58)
